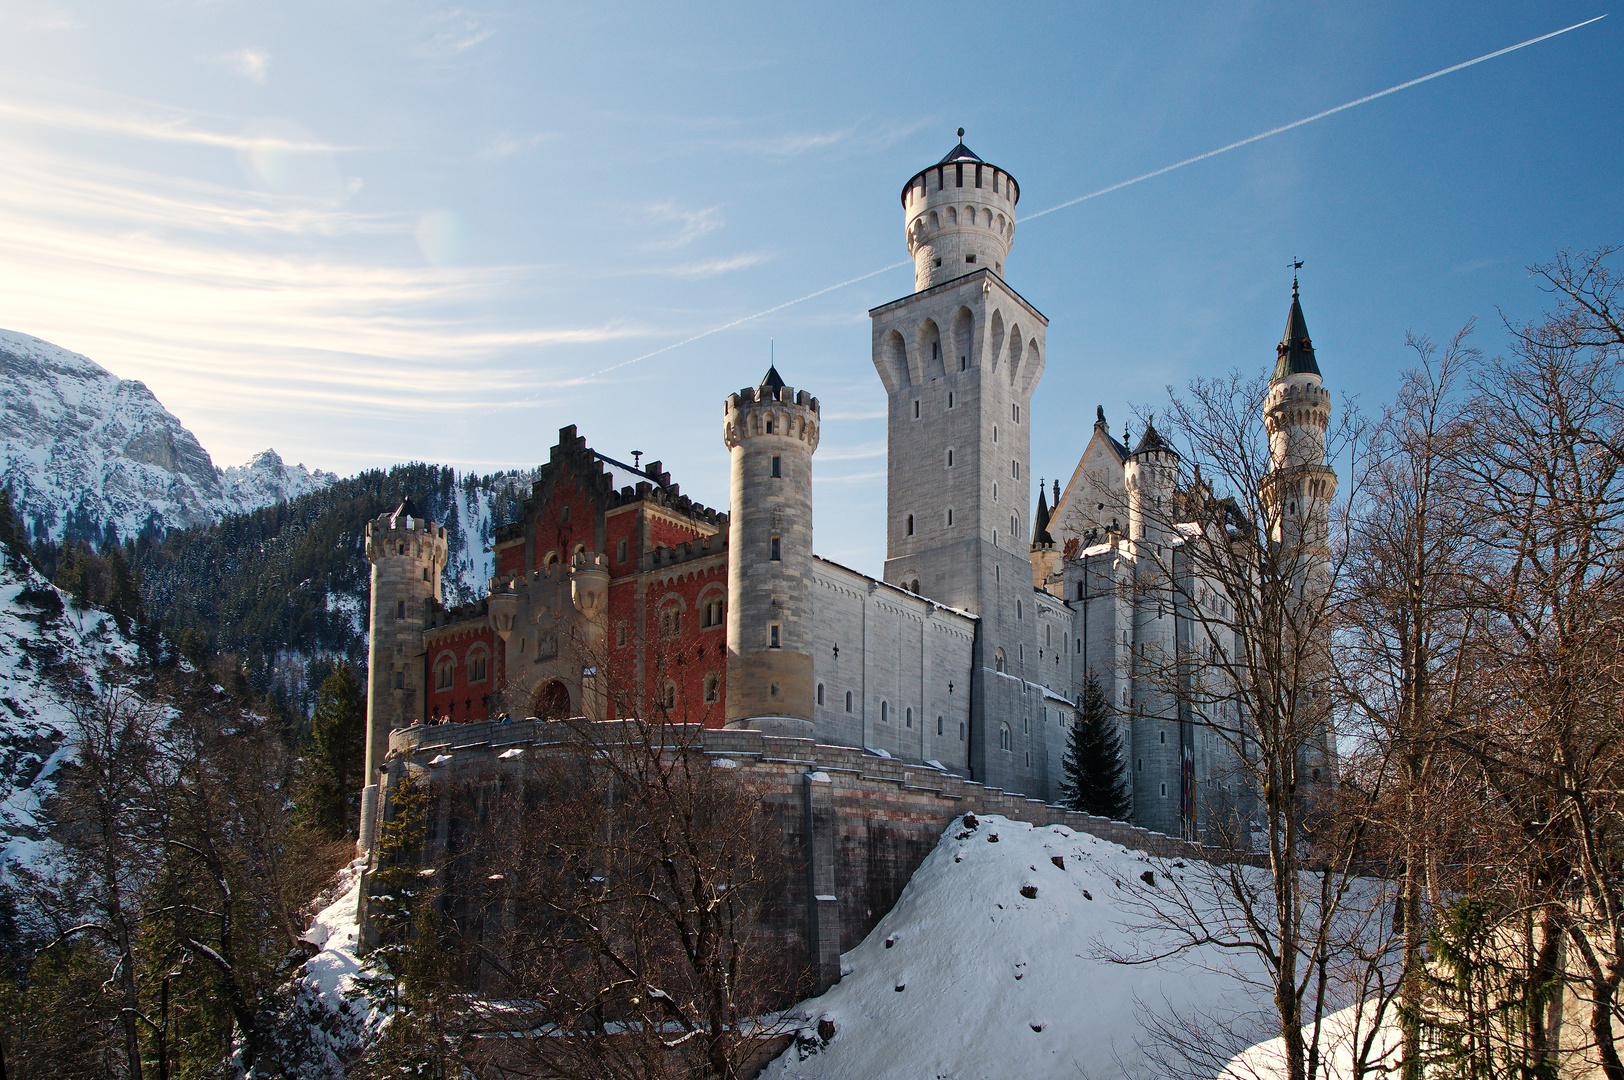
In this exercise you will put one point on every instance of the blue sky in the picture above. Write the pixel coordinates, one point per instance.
(367, 232)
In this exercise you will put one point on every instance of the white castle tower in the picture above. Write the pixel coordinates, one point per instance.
(1151, 477)
(771, 432)
(960, 358)
(407, 554)
(1297, 495)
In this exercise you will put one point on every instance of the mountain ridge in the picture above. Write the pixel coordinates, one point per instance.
(90, 456)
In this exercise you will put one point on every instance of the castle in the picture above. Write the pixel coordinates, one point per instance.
(968, 657)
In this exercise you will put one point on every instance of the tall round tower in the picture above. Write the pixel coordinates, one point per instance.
(1300, 485)
(771, 432)
(407, 553)
(960, 216)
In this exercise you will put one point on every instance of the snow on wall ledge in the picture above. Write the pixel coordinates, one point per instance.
(968, 976)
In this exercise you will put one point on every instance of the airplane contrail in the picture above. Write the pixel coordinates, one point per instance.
(1282, 129)
(1310, 119)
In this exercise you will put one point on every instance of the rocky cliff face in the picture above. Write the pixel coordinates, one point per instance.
(83, 450)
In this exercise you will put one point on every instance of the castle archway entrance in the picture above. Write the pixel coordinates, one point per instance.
(551, 701)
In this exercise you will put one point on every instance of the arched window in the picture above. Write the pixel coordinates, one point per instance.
(670, 696)
(848, 701)
(998, 660)
(552, 701)
(820, 693)
(1004, 737)
(478, 660)
(712, 688)
(938, 725)
(950, 517)
(961, 731)
(885, 712)
(914, 586)
(445, 671)
(1017, 609)
(910, 717)
(949, 457)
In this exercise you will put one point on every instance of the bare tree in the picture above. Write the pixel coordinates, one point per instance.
(1545, 467)
(613, 897)
(1238, 544)
(1405, 615)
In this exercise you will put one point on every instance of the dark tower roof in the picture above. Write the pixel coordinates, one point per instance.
(1296, 350)
(772, 380)
(1040, 534)
(1152, 440)
(959, 153)
(406, 509)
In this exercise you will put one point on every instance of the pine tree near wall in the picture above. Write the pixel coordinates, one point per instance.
(1093, 762)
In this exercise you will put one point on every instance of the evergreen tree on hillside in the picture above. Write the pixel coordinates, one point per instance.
(338, 753)
(1093, 781)
(13, 533)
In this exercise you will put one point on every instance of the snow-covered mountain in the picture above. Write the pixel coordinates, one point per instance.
(82, 449)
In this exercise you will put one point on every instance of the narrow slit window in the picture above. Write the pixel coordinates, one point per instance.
(775, 556)
(910, 533)
(773, 636)
(777, 468)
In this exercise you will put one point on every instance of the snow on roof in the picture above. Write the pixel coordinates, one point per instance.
(967, 976)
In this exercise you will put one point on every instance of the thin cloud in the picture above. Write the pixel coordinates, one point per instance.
(692, 223)
(249, 63)
(453, 32)
(161, 129)
(506, 145)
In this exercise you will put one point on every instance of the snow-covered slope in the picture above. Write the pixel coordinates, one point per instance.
(967, 977)
(48, 652)
(81, 449)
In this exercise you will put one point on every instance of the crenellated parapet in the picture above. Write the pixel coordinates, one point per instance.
(769, 410)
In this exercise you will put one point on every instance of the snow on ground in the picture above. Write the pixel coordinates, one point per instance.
(45, 657)
(967, 977)
(1340, 1034)
(327, 1019)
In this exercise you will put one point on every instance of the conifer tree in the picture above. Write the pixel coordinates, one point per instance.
(338, 734)
(1093, 762)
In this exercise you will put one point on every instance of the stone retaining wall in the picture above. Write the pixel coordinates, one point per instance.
(862, 823)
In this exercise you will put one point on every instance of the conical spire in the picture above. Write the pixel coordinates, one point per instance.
(772, 380)
(1152, 439)
(1040, 531)
(406, 509)
(1296, 349)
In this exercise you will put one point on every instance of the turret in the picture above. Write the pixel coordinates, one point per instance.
(771, 432)
(1151, 475)
(1300, 486)
(960, 217)
(407, 553)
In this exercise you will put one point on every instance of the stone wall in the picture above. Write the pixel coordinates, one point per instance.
(861, 823)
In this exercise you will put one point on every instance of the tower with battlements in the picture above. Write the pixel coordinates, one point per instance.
(960, 358)
(408, 554)
(771, 432)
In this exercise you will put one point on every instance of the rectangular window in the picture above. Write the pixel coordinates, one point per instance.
(620, 635)
(959, 169)
(969, 258)
(1015, 470)
(950, 399)
(772, 636)
(916, 408)
(978, 174)
(400, 609)
(400, 680)
(777, 469)
(775, 554)
(564, 514)
(964, 362)
(620, 550)
(950, 515)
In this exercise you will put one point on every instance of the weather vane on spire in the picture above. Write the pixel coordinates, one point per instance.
(1296, 265)
(961, 133)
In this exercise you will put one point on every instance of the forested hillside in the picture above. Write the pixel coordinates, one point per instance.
(289, 583)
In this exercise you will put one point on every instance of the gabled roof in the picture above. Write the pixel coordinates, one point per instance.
(1296, 349)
